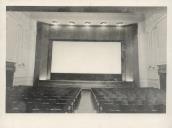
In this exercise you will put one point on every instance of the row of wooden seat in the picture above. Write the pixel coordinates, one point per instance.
(42, 99)
(129, 100)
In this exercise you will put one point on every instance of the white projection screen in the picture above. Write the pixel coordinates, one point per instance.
(86, 57)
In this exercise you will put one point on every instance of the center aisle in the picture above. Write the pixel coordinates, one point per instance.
(86, 105)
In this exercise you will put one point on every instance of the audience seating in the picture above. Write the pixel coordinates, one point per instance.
(42, 99)
(125, 99)
(129, 100)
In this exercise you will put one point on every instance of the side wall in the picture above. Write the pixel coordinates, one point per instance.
(20, 46)
(152, 47)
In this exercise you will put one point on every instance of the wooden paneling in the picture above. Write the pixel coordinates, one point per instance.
(131, 54)
(76, 83)
(83, 33)
(41, 55)
(162, 76)
(127, 35)
(37, 55)
(10, 69)
(49, 61)
(44, 56)
(93, 33)
(91, 77)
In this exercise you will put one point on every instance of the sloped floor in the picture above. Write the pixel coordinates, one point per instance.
(85, 105)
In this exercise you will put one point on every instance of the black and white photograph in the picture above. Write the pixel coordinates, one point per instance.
(85, 64)
(86, 59)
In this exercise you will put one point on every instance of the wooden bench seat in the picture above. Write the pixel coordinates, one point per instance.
(46, 99)
(129, 100)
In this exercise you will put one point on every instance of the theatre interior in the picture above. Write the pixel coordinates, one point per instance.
(86, 59)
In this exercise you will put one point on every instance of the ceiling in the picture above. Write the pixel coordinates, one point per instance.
(82, 18)
(87, 15)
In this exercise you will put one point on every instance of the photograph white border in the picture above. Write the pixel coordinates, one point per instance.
(84, 120)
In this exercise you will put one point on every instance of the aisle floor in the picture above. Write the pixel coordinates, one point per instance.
(85, 105)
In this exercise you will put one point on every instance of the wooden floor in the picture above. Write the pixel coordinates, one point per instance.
(86, 104)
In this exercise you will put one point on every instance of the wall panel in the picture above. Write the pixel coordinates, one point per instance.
(152, 48)
(41, 55)
(127, 35)
(21, 40)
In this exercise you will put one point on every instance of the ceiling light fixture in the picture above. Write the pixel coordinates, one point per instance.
(87, 23)
(55, 22)
(120, 23)
(103, 23)
(71, 22)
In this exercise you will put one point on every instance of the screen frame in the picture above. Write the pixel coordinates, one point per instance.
(50, 47)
